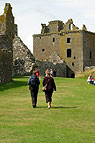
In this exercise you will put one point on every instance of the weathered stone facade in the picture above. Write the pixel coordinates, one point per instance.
(6, 42)
(76, 47)
(23, 59)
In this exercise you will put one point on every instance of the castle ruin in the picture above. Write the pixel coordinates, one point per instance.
(63, 47)
(74, 46)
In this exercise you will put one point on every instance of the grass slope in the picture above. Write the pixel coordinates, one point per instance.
(70, 120)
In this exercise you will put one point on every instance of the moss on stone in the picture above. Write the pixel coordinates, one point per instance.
(2, 19)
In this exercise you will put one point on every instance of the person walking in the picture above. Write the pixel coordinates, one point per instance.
(48, 87)
(34, 87)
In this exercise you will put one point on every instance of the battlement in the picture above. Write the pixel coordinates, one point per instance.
(52, 27)
(58, 26)
(55, 21)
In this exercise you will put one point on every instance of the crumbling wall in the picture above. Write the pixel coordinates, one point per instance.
(23, 59)
(55, 63)
(58, 69)
(6, 42)
(6, 55)
(53, 27)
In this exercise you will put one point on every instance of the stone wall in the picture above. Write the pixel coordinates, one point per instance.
(6, 42)
(43, 46)
(23, 59)
(55, 63)
(6, 56)
(89, 48)
(75, 60)
(58, 69)
(58, 66)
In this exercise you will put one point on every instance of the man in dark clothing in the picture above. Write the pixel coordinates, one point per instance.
(34, 87)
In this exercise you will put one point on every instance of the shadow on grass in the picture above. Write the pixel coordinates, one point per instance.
(12, 84)
(56, 107)
(59, 107)
(21, 76)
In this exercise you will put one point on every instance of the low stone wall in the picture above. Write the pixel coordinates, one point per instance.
(59, 69)
(89, 68)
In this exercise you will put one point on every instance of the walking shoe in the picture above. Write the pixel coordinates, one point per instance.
(48, 107)
(34, 106)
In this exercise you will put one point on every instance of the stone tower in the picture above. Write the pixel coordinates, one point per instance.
(6, 43)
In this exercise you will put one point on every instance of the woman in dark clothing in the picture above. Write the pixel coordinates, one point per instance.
(50, 86)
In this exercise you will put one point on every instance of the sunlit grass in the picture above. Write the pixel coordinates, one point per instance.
(70, 120)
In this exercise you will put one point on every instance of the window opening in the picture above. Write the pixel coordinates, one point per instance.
(68, 40)
(53, 39)
(90, 54)
(43, 50)
(68, 52)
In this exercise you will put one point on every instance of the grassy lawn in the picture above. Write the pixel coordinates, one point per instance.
(70, 120)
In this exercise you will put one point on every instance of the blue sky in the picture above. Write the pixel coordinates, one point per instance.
(29, 14)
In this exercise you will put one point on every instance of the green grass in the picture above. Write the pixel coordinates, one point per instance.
(70, 120)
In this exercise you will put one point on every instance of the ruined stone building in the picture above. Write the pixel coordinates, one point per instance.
(7, 27)
(15, 57)
(74, 46)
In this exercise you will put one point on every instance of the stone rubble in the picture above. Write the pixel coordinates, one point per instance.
(23, 59)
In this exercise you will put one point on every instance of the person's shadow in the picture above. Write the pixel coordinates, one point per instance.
(59, 107)
(64, 107)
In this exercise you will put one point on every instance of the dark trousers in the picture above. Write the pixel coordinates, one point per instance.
(48, 95)
(34, 97)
